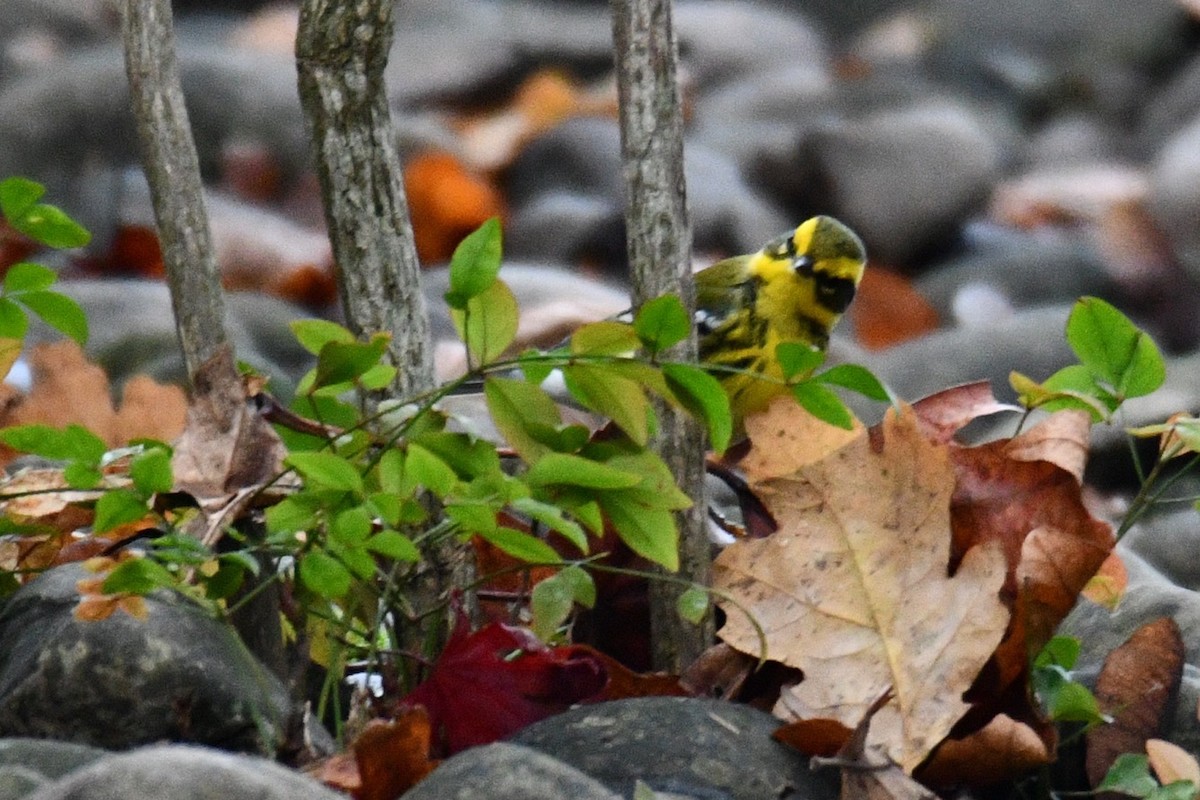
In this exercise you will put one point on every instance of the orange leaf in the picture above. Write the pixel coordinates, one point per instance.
(888, 311)
(392, 757)
(945, 413)
(854, 590)
(446, 202)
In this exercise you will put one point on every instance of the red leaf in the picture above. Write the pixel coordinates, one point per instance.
(499, 679)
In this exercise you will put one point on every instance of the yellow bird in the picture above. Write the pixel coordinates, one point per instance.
(794, 289)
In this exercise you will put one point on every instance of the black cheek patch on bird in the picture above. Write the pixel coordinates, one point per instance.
(835, 293)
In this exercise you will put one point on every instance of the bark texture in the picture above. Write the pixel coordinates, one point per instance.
(341, 51)
(659, 243)
(173, 171)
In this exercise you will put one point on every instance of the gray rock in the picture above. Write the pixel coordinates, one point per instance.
(119, 682)
(879, 171)
(55, 122)
(1170, 109)
(173, 772)
(132, 330)
(581, 160)
(1030, 341)
(692, 747)
(1175, 194)
(1025, 269)
(48, 758)
(1038, 56)
(722, 39)
(504, 771)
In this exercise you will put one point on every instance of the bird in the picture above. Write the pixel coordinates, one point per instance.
(794, 289)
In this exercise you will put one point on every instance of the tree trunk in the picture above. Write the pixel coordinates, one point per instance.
(659, 243)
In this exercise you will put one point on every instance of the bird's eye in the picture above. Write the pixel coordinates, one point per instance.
(803, 266)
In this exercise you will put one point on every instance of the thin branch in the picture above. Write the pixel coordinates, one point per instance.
(173, 171)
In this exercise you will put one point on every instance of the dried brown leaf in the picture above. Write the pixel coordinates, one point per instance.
(785, 437)
(1014, 492)
(1003, 750)
(945, 413)
(1136, 685)
(853, 589)
(227, 445)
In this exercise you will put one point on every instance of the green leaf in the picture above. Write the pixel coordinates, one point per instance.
(352, 526)
(225, 581)
(1062, 651)
(473, 515)
(295, 513)
(151, 472)
(583, 588)
(649, 532)
(1114, 349)
(1129, 774)
(393, 544)
(341, 362)
(488, 324)
(139, 576)
(620, 399)
(565, 469)
(391, 473)
(550, 602)
(326, 470)
(356, 559)
(323, 574)
(702, 394)
(59, 312)
(535, 366)
(857, 379)
(692, 605)
(798, 360)
(118, 507)
(1175, 790)
(314, 334)
(1074, 702)
(79, 475)
(475, 264)
(823, 404)
(553, 518)
(604, 338)
(662, 323)
(17, 196)
(521, 545)
(657, 488)
(429, 471)
(467, 456)
(51, 226)
(28, 277)
(514, 405)
(378, 377)
(13, 322)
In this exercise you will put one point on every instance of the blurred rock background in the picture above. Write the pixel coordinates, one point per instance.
(999, 160)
